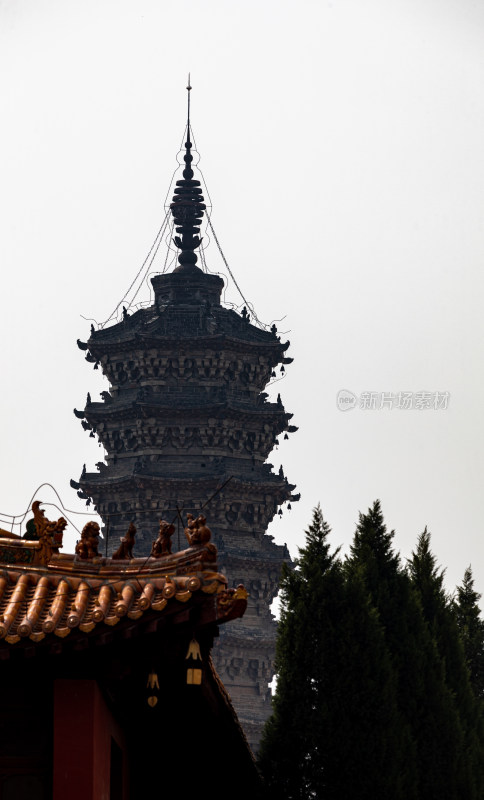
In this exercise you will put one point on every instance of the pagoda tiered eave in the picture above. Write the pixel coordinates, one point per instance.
(272, 484)
(265, 413)
(126, 340)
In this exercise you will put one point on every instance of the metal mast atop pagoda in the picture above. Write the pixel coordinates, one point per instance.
(186, 419)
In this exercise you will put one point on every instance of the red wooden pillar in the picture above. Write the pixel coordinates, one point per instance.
(84, 731)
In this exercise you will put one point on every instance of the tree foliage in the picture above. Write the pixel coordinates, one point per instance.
(331, 662)
(373, 693)
(464, 773)
(471, 628)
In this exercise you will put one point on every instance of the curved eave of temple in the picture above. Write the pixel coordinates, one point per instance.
(70, 594)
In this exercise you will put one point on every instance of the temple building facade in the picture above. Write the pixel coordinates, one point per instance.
(187, 426)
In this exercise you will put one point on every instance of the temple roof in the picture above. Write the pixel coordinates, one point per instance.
(61, 605)
(45, 593)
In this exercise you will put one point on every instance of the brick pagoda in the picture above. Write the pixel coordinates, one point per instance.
(186, 425)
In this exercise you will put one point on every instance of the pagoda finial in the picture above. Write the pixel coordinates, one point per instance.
(188, 158)
(187, 207)
(189, 89)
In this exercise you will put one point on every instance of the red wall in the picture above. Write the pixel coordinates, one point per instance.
(83, 728)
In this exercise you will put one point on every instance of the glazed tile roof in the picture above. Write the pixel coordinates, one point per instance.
(45, 593)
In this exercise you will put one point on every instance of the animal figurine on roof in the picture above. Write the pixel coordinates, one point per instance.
(49, 534)
(197, 531)
(162, 545)
(44, 528)
(125, 549)
(88, 545)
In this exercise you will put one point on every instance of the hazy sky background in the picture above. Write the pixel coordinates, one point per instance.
(342, 144)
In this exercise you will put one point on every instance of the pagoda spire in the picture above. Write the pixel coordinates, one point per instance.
(187, 208)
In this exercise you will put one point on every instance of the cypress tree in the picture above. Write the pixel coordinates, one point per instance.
(434, 748)
(440, 616)
(471, 629)
(373, 696)
(428, 579)
(334, 731)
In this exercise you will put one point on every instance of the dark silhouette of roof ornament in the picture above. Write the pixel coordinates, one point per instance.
(187, 208)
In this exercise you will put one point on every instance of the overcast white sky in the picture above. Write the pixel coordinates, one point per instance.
(342, 146)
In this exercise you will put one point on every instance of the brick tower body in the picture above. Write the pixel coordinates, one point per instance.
(186, 424)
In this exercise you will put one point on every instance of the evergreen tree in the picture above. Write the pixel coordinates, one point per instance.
(471, 628)
(424, 700)
(374, 698)
(439, 614)
(335, 731)
(428, 579)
